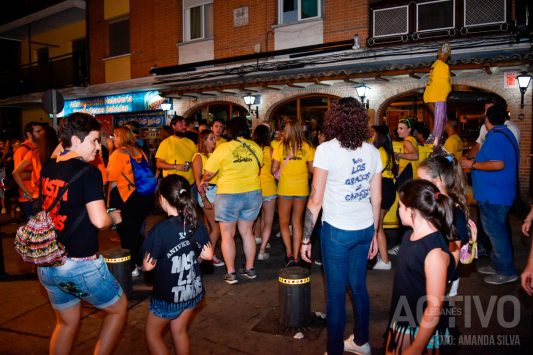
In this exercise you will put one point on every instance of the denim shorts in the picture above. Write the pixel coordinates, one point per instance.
(210, 193)
(294, 197)
(269, 198)
(171, 311)
(88, 280)
(238, 207)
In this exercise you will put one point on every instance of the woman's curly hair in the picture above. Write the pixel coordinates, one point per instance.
(347, 121)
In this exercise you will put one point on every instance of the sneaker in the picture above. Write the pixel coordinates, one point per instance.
(290, 261)
(267, 246)
(258, 240)
(498, 279)
(394, 251)
(263, 256)
(231, 278)
(217, 262)
(486, 270)
(351, 347)
(249, 273)
(381, 265)
(453, 288)
(318, 262)
(135, 273)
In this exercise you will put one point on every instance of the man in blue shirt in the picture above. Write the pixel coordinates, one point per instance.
(494, 179)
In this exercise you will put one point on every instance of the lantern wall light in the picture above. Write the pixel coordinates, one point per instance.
(523, 83)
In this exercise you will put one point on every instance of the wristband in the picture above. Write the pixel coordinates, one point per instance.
(474, 165)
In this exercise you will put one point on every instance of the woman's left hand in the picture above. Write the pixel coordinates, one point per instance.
(305, 252)
(373, 246)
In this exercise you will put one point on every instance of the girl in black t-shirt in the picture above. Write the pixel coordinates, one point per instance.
(173, 248)
(417, 315)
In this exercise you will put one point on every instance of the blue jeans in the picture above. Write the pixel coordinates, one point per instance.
(493, 218)
(344, 256)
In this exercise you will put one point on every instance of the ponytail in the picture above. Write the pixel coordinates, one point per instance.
(177, 191)
(435, 207)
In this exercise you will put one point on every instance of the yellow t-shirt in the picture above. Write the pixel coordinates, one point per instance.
(268, 183)
(293, 180)
(213, 181)
(439, 85)
(220, 140)
(404, 162)
(454, 145)
(237, 167)
(387, 169)
(177, 150)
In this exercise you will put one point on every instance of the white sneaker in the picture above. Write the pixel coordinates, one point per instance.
(453, 288)
(351, 347)
(381, 265)
(395, 250)
(263, 256)
(258, 240)
(135, 273)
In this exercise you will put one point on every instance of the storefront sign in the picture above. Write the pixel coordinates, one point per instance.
(131, 102)
(145, 119)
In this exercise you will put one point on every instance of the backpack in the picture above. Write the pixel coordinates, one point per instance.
(37, 242)
(145, 181)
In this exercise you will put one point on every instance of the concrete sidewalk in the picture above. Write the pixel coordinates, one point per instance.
(241, 318)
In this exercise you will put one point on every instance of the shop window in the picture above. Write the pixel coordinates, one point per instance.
(291, 11)
(119, 37)
(198, 22)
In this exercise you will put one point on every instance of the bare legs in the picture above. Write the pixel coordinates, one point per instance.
(291, 210)
(214, 229)
(227, 230)
(382, 239)
(69, 319)
(178, 327)
(267, 218)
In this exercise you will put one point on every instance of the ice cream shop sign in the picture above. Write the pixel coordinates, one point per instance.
(130, 102)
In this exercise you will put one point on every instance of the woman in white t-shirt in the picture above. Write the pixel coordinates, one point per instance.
(348, 188)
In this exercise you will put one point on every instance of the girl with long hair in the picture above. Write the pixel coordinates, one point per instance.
(417, 321)
(292, 161)
(123, 194)
(383, 142)
(408, 158)
(206, 145)
(261, 136)
(173, 249)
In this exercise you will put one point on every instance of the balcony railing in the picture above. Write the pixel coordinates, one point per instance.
(420, 20)
(58, 72)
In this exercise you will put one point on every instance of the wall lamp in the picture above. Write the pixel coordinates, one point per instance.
(523, 84)
(250, 100)
(361, 91)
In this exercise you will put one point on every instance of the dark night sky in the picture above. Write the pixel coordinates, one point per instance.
(12, 10)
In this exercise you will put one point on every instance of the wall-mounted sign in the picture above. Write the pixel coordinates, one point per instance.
(131, 102)
(240, 16)
(509, 79)
(145, 119)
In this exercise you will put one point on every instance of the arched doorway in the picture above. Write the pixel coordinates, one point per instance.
(308, 109)
(465, 103)
(222, 110)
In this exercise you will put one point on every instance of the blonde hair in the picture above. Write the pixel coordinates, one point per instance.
(125, 135)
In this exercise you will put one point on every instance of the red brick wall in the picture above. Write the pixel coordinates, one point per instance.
(233, 41)
(97, 31)
(345, 18)
(155, 29)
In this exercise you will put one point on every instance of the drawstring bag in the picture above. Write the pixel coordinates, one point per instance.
(37, 243)
(469, 251)
(145, 181)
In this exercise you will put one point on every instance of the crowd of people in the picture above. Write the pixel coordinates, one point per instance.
(223, 179)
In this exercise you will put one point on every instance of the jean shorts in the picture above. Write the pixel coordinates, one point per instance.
(88, 280)
(238, 207)
(270, 198)
(210, 193)
(171, 311)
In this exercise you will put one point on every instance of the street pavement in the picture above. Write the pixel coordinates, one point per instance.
(242, 318)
